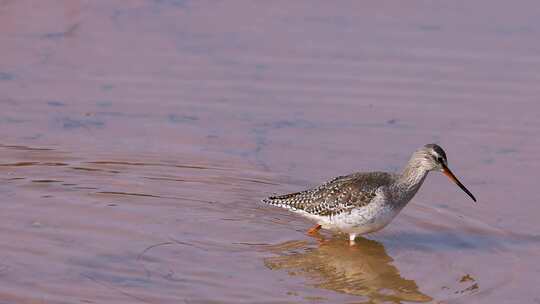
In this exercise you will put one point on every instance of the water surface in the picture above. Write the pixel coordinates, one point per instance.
(137, 138)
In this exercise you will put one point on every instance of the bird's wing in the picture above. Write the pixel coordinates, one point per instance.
(339, 195)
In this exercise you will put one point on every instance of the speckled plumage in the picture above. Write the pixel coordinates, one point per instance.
(336, 196)
(366, 202)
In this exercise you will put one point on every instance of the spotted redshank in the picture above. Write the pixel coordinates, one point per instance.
(363, 202)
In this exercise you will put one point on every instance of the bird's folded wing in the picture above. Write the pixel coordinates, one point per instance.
(341, 194)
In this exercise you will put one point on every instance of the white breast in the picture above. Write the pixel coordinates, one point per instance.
(370, 218)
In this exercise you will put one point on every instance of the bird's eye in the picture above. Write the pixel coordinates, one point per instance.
(440, 160)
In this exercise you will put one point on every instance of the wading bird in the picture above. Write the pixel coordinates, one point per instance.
(365, 202)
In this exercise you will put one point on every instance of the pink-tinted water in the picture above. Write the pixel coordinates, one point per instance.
(137, 137)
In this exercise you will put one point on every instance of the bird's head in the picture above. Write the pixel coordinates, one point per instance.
(433, 158)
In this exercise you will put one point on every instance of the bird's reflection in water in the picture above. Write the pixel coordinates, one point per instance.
(363, 270)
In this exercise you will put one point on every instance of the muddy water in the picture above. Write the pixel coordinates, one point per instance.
(137, 137)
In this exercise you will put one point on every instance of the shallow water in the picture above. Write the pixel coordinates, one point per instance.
(137, 138)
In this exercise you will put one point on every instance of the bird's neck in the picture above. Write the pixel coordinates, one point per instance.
(412, 176)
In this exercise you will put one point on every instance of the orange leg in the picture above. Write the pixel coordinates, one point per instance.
(314, 229)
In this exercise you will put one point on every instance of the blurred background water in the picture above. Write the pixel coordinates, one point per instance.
(137, 138)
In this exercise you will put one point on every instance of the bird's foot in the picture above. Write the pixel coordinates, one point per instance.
(313, 230)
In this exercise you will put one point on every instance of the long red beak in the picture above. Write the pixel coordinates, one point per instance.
(453, 178)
